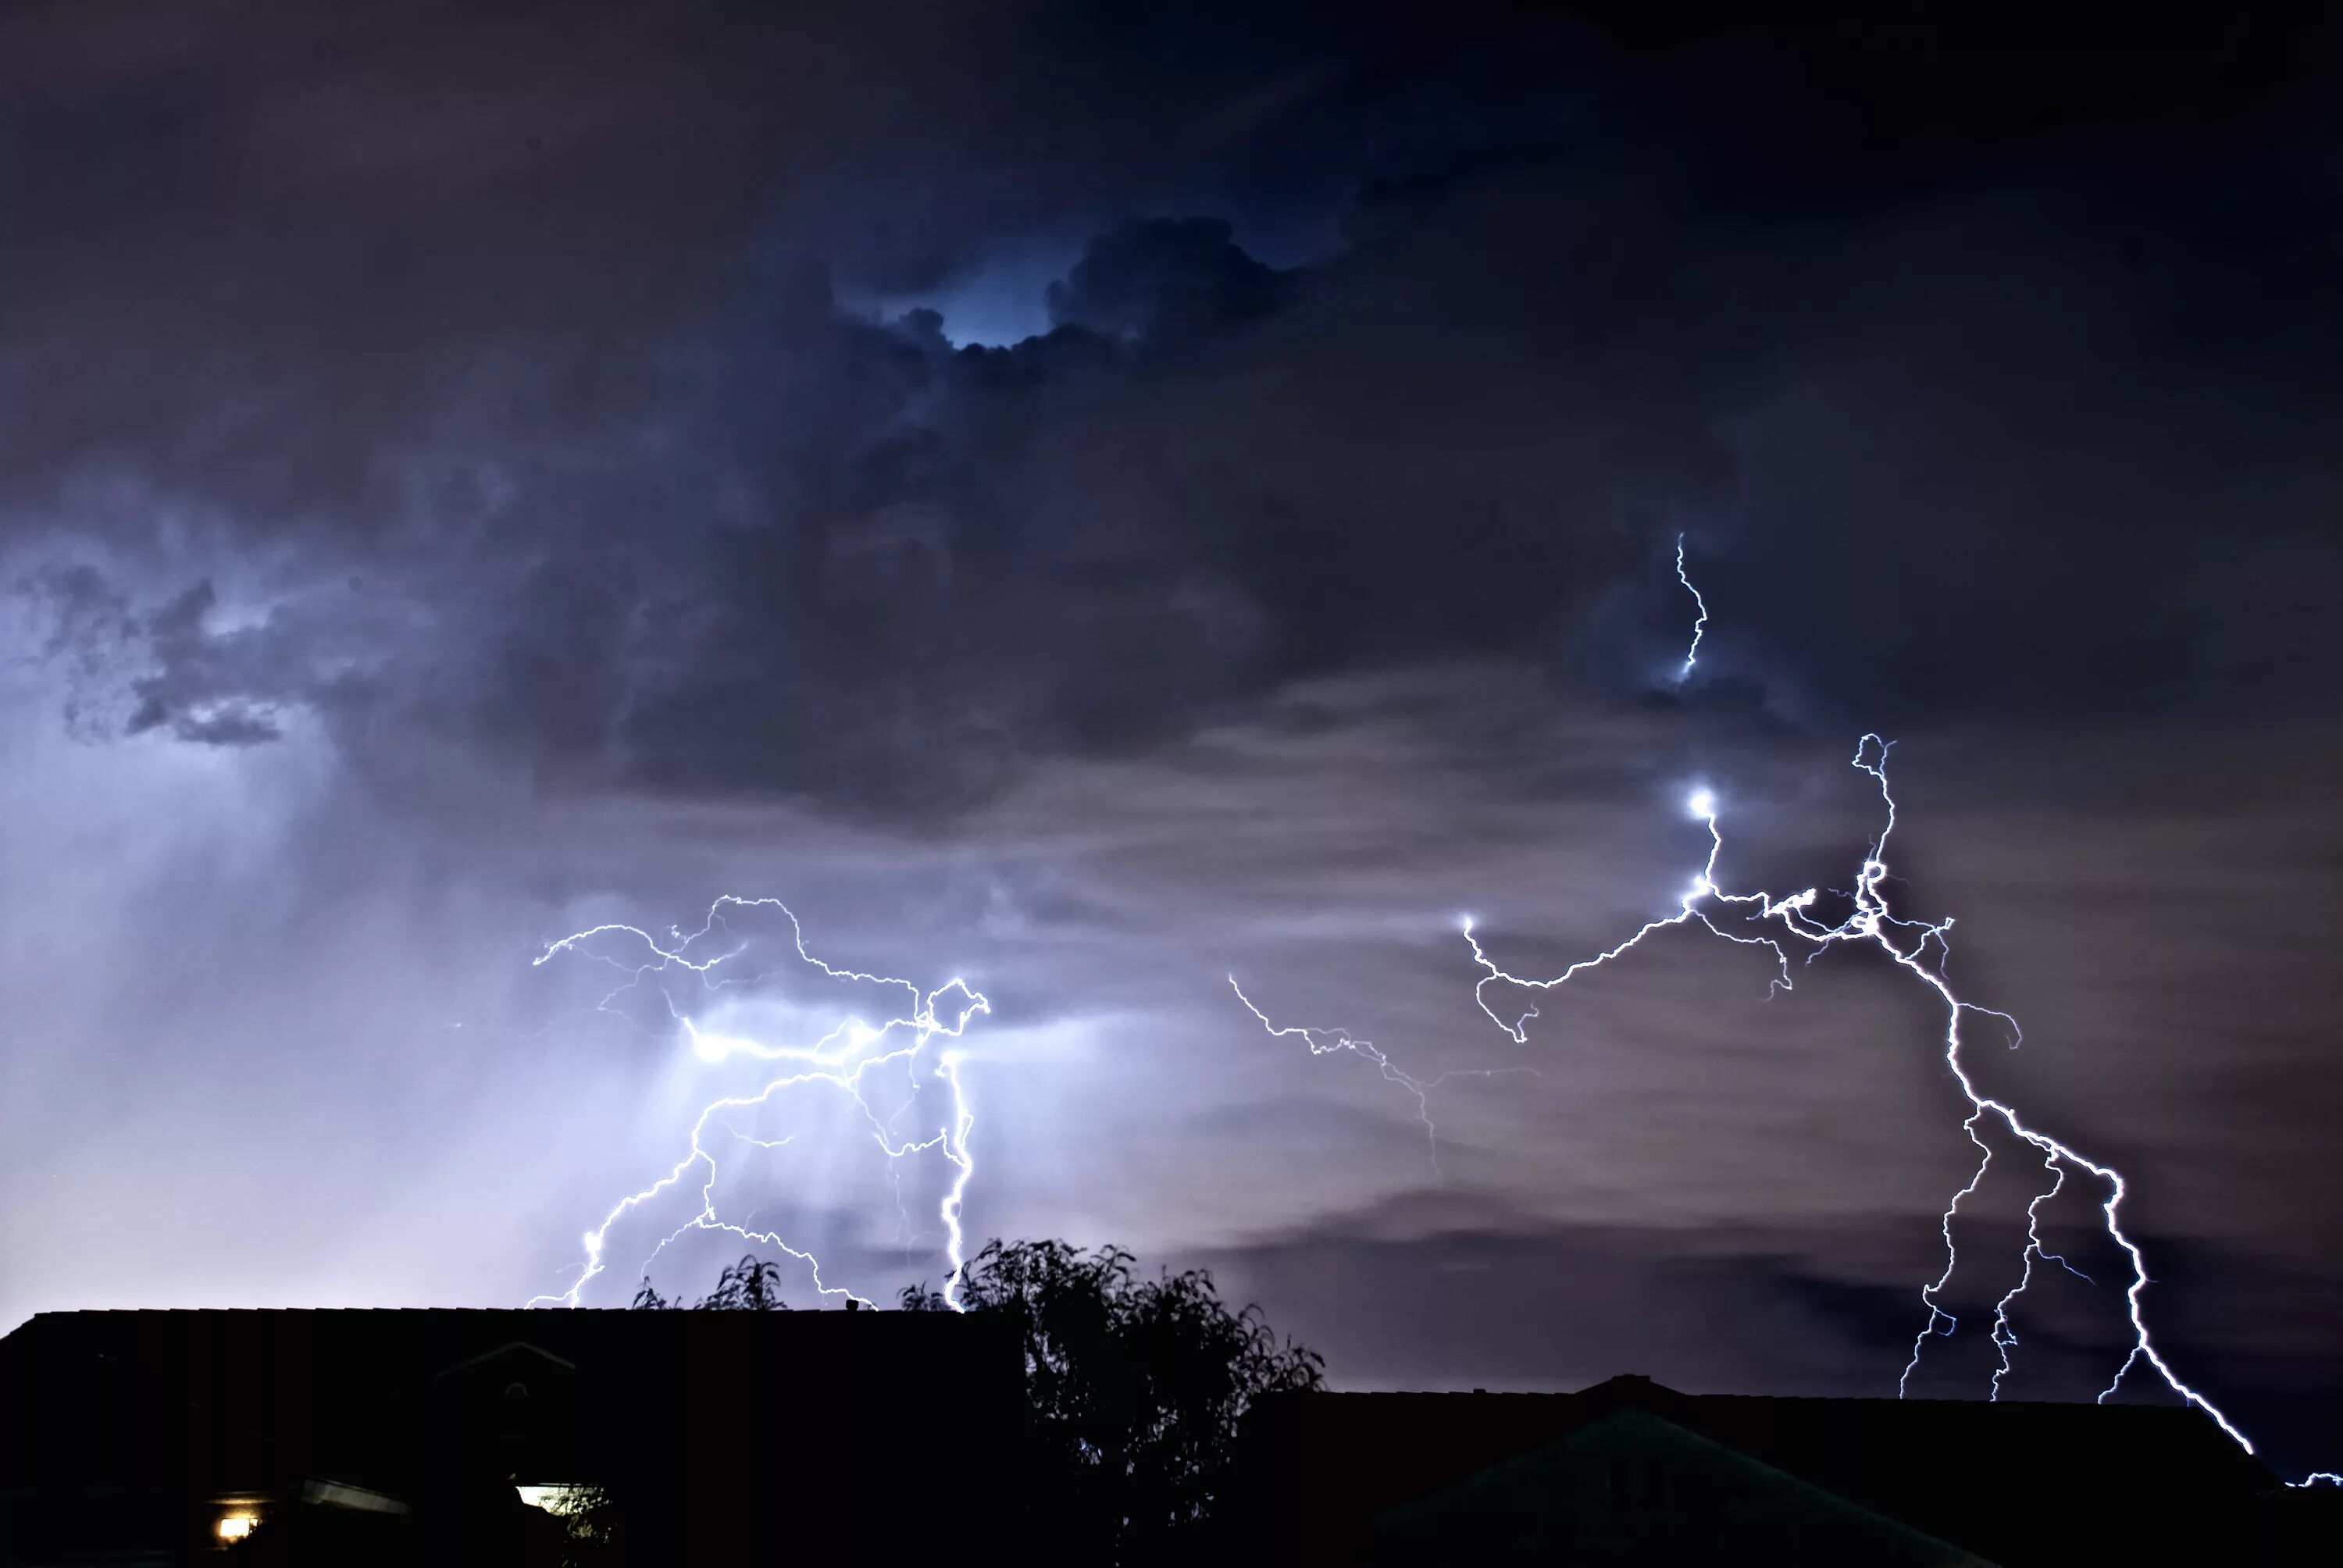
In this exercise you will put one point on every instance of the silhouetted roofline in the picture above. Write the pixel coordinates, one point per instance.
(445, 1337)
(1637, 1383)
(473, 1315)
(1635, 1388)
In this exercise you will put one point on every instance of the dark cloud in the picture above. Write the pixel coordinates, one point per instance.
(210, 688)
(1165, 282)
(536, 325)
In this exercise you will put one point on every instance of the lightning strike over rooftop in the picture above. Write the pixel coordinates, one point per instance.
(1870, 921)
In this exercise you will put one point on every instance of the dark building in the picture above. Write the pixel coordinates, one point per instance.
(1629, 1471)
(366, 1436)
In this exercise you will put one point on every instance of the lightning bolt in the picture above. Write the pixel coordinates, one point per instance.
(1870, 921)
(1692, 654)
(1326, 1041)
(2004, 1338)
(840, 1060)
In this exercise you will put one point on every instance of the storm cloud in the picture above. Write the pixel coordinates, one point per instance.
(466, 471)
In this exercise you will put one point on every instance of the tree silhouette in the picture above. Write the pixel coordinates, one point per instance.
(748, 1286)
(1137, 1386)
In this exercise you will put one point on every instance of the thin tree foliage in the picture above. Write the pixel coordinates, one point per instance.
(750, 1286)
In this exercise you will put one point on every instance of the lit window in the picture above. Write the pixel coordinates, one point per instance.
(236, 1526)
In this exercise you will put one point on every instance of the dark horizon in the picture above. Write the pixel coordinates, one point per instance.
(1092, 505)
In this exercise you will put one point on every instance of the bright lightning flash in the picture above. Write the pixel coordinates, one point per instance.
(846, 1060)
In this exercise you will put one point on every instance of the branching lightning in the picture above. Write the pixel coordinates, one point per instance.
(1325, 1041)
(841, 1060)
(1870, 921)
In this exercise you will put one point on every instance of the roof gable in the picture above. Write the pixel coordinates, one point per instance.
(512, 1353)
(1629, 1483)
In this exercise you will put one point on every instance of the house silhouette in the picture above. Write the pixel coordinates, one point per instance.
(1631, 1472)
(360, 1436)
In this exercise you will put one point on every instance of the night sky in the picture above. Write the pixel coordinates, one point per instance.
(1094, 499)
